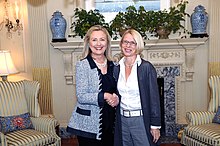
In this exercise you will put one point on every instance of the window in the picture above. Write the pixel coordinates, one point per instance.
(109, 8)
(113, 6)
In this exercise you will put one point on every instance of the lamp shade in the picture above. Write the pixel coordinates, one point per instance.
(6, 64)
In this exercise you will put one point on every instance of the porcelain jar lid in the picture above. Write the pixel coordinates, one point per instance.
(199, 8)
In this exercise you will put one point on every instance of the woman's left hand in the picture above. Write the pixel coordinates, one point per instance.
(113, 100)
(116, 100)
(156, 134)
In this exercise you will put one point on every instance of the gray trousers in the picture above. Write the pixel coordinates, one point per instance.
(133, 131)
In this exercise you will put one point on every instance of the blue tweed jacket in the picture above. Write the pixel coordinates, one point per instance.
(85, 119)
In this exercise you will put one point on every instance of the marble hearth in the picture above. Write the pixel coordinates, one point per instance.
(173, 60)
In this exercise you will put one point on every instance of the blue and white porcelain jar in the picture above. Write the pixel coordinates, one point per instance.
(199, 20)
(58, 27)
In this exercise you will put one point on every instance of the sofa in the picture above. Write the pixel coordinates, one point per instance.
(203, 127)
(21, 122)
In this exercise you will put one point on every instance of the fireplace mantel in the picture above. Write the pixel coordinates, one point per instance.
(158, 51)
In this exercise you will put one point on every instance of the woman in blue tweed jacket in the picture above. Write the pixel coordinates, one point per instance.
(94, 115)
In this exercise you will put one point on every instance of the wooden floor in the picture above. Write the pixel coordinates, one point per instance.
(69, 141)
(172, 144)
(73, 142)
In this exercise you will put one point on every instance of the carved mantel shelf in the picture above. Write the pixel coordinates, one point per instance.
(158, 51)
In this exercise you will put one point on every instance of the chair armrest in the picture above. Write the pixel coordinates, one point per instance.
(2, 139)
(45, 124)
(194, 118)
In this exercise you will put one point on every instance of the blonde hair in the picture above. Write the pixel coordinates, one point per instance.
(86, 50)
(138, 39)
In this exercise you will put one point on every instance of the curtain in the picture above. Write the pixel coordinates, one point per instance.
(214, 43)
(38, 24)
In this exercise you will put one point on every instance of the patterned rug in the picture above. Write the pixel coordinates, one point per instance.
(169, 139)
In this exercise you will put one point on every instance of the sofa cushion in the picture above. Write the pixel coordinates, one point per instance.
(14, 123)
(216, 119)
(206, 133)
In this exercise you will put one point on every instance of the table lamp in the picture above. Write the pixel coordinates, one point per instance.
(6, 65)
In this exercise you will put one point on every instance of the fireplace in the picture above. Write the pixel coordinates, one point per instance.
(160, 82)
(166, 84)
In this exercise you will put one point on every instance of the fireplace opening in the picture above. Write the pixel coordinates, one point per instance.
(160, 82)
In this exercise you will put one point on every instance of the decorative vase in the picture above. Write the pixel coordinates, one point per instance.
(163, 33)
(58, 27)
(199, 20)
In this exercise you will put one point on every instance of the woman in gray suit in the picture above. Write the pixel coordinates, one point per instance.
(138, 117)
(93, 117)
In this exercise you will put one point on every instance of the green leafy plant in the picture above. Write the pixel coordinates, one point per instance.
(171, 20)
(131, 18)
(84, 20)
(145, 22)
(150, 21)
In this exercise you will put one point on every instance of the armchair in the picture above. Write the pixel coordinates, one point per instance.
(21, 122)
(201, 130)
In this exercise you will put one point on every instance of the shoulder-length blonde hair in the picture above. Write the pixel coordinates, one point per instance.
(86, 50)
(138, 39)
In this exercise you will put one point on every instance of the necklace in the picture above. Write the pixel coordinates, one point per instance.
(101, 64)
(129, 65)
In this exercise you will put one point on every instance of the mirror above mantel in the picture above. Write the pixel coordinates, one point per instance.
(158, 51)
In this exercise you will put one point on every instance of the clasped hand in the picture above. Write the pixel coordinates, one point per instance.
(111, 99)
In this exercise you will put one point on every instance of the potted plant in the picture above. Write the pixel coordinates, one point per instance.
(152, 22)
(143, 21)
(131, 18)
(84, 20)
(168, 21)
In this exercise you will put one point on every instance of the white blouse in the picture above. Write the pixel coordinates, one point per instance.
(129, 90)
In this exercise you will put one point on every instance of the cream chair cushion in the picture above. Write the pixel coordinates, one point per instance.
(214, 84)
(15, 94)
(31, 94)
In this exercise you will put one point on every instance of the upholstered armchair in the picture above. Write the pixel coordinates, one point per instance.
(21, 122)
(202, 130)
